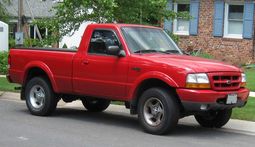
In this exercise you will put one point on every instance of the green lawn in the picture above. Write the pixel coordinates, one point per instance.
(250, 75)
(6, 86)
(247, 112)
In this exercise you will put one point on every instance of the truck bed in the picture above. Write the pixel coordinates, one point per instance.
(54, 60)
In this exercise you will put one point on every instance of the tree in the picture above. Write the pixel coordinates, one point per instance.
(70, 14)
(3, 12)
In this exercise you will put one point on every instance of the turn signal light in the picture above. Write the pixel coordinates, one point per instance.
(198, 86)
(243, 84)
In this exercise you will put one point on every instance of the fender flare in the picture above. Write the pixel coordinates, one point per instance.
(151, 75)
(42, 66)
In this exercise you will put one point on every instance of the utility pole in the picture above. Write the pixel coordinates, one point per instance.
(20, 14)
(19, 35)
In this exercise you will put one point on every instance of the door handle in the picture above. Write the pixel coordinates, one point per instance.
(85, 62)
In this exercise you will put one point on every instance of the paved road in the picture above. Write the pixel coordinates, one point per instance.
(72, 126)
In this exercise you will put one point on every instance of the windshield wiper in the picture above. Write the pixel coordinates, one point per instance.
(146, 51)
(172, 51)
(157, 51)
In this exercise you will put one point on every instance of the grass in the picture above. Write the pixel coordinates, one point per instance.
(6, 86)
(250, 75)
(245, 113)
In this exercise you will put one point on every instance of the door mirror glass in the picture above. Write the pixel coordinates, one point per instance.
(113, 50)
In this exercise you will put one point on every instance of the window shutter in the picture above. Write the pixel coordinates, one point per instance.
(248, 19)
(168, 25)
(218, 18)
(194, 12)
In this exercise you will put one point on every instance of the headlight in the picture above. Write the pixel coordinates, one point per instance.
(200, 81)
(243, 84)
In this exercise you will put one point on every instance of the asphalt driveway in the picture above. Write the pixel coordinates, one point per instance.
(71, 125)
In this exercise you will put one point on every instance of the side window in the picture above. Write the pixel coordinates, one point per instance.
(101, 40)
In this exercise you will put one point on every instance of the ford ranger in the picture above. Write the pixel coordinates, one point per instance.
(139, 65)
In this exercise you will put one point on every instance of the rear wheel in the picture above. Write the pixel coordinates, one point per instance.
(95, 105)
(40, 98)
(158, 111)
(214, 119)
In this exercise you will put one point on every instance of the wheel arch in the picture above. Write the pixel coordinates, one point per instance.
(36, 69)
(150, 82)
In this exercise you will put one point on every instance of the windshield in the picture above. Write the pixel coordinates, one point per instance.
(148, 40)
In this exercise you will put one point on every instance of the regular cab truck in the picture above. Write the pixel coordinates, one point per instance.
(139, 65)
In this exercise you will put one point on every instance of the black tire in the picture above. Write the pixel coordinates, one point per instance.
(168, 105)
(48, 104)
(95, 105)
(215, 119)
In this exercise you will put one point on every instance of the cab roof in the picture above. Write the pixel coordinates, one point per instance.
(122, 25)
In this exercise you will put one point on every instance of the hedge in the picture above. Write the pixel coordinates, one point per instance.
(3, 62)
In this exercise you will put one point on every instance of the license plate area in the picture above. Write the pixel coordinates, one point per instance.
(231, 99)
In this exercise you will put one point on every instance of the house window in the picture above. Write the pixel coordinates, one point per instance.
(32, 32)
(12, 29)
(233, 26)
(181, 26)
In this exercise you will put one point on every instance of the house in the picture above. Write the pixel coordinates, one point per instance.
(33, 9)
(222, 28)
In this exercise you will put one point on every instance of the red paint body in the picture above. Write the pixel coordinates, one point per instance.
(112, 77)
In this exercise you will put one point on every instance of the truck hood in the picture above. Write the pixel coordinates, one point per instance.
(191, 63)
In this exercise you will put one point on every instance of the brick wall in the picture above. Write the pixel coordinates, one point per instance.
(235, 51)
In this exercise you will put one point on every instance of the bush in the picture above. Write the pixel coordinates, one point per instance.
(29, 42)
(200, 53)
(11, 43)
(174, 37)
(3, 62)
(203, 55)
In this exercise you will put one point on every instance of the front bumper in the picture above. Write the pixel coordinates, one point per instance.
(204, 100)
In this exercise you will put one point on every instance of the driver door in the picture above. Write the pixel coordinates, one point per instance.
(101, 74)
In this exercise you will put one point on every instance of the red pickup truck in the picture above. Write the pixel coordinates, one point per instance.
(139, 65)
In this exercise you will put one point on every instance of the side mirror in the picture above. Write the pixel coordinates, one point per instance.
(116, 51)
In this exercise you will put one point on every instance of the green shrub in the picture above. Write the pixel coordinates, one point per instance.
(11, 43)
(3, 62)
(174, 37)
(199, 53)
(64, 46)
(29, 42)
(203, 55)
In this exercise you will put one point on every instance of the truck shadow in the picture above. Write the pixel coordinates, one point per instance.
(103, 118)
(119, 120)
(127, 122)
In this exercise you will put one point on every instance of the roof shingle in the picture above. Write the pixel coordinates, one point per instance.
(35, 8)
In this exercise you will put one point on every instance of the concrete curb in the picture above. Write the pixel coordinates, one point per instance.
(10, 96)
(252, 94)
(2, 76)
(1, 93)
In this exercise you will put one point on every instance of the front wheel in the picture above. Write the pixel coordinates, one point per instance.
(40, 98)
(95, 105)
(158, 111)
(214, 119)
